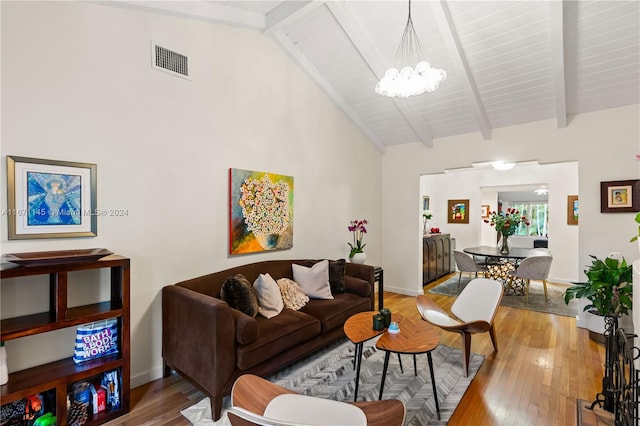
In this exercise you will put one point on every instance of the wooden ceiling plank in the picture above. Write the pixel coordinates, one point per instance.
(198, 10)
(362, 42)
(452, 42)
(556, 29)
(294, 53)
(287, 13)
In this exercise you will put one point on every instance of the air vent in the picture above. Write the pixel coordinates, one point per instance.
(170, 61)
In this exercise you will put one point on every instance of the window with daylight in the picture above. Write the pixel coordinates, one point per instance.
(538, 215)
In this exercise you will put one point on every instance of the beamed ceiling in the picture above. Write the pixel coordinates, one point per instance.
(508, 62)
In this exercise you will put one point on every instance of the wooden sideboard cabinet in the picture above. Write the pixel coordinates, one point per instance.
(59, 376)
(436, 257)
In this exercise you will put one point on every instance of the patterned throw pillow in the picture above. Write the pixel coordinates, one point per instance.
(292, 294)
(238, 292)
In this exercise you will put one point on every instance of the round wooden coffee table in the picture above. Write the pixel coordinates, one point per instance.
(359, 328)
(415, 337)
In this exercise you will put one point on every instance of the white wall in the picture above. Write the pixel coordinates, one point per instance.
(604, 144)
(560, 178)
(77, 85)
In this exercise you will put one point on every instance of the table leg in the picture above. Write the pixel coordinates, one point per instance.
(400, 362)
(384, 372)
(433, 382)
(380, 290)
(415, 366)
(358, 361)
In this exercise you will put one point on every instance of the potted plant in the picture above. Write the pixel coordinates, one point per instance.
(608, 289)
(426, 216)
(358, 229)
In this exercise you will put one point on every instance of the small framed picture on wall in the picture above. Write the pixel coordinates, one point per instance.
(572, 210)
(485, 211)
(620, 196)
(458, 211)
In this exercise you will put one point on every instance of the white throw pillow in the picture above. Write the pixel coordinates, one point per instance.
(313, 281)
(269, 298)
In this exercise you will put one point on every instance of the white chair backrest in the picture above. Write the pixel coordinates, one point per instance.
(465, 262)
(478, 300)
(534, 268)
(258, 419)
(303, 410)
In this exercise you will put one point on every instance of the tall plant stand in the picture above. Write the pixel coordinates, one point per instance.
(619, 393)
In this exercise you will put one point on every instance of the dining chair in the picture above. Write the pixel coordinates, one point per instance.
(532, 268)
(257, 401)
(473, 312)
(467, 264)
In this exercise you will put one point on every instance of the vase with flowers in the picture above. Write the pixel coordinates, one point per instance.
(506, 223)
(426, 216)
(358, 229)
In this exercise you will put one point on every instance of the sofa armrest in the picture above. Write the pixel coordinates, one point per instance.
(198, 337)
(357, 286)
(364, 273)
(246, 327)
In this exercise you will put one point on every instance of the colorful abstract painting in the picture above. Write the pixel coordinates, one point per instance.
(260, 211)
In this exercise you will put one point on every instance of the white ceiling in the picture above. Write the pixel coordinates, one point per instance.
(508, 62)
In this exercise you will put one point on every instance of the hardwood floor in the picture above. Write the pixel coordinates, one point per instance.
(543, 365)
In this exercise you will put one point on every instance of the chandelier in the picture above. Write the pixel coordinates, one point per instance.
(409, 81)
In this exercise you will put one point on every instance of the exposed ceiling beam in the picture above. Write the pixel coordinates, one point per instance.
(556, 16)
(452, 42)
(199, 10)
(287, 13)
(287, 45)
(362, 42)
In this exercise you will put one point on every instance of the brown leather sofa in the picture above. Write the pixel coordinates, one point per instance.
(211, 345)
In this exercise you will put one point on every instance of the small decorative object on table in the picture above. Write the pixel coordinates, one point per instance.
(506, 224)
(394, 328)
(426, 216)
(386, 316)
(378, 322)
(358, 229)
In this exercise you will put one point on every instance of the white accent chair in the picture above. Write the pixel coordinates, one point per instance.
(532, 268)
(466, 263)
(257, 401)
(473, 312)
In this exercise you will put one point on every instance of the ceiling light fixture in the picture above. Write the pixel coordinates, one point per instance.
(501, 165)
(541, 191)
(409, 81)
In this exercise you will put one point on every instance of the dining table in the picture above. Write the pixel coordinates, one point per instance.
(499, 265)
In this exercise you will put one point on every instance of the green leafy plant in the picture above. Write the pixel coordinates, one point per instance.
(608, 286)
(358, 229)
(638, 235)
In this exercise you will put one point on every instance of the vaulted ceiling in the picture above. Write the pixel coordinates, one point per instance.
(508, 62)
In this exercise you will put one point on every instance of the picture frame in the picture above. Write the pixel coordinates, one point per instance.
(50, 198)
(425, 202)
(620, 196)
(572, 209)
(260, 211)
(486, 210)
(458, 211)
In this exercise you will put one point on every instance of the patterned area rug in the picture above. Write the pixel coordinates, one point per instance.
(555, 305)
(330, 374)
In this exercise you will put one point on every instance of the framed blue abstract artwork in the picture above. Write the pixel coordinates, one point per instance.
(50, 199)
